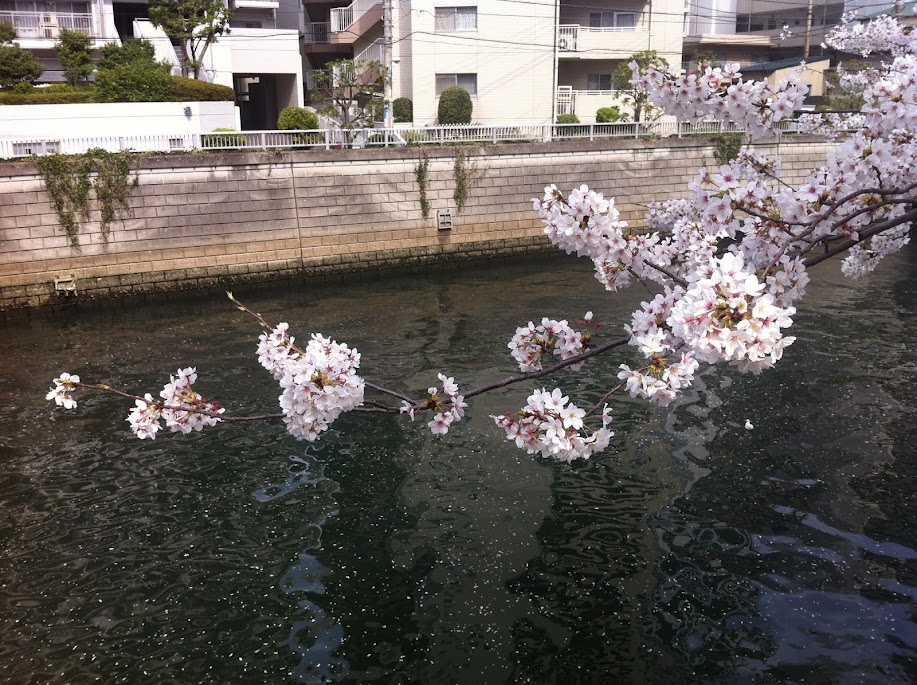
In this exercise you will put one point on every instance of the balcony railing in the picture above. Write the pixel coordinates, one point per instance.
(317, 32)
(374, 53)
(573, 37)
(48, 24)
(343, 17)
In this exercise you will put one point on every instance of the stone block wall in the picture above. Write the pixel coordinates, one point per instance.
(209, 219)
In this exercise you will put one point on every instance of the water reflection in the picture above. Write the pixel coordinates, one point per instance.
(694, 551)
(315, 637)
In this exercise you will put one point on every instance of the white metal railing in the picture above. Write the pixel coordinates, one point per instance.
(568, 35)
(343, 17)
(375, 52)
(566, 38)
(567, 97)
(11, 146)
(48, 24)
(316, 32)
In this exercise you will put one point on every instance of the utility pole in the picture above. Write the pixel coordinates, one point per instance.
(805, 50)
(387, 61)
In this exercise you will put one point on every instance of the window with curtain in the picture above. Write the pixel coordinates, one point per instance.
(467, 81)
(450, 19)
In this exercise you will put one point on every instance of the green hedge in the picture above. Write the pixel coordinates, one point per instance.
(183, 90)
(189, 90)
(42, 96)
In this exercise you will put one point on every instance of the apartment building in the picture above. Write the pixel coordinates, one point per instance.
(260, 57)
(757, 31)
(522, 62)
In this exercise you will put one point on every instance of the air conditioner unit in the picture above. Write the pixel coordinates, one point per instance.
(47, 27)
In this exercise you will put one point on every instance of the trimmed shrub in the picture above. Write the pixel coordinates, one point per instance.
(134, 82)
(608, 115)
(46, 96)
(403, 110)
(297, 119)
(189, 90)
(454, 106)
(567, 119)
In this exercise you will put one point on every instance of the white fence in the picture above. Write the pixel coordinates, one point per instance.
(360, 138)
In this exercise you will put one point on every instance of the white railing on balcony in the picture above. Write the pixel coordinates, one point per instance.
(343, 17)
(48, 24)
(316, 32)
(571, 36)
(566, 38)
(584, 103)
(375, 52)
(11, 146)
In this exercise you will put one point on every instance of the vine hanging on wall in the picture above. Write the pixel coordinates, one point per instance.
(420, 172)
(467, 175)
(69, 178)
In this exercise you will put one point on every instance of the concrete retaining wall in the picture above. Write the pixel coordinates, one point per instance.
(207, 219)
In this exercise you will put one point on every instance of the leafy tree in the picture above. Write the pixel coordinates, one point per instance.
(130, 73)
(567, 119)
(196, 23)
(16, 65)
(636, 98)
(74, 50)
(454, 106)
(351, 86)
(112, 55)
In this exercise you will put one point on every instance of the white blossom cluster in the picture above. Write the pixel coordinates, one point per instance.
(181, 408)
(531, 343)
(318, 386)
(882, 34)
(720, 92)
(275, 350)
(552, 426)
(62, 392)
(448, 406)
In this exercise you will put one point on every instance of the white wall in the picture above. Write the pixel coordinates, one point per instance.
(115, 119)
(512, 53)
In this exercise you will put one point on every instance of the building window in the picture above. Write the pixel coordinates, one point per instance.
(467, 81)
(605, 20)
(450, 19)
(598, 82)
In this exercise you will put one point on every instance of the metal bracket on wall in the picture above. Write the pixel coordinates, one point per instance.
(444, 219)
(66, 286)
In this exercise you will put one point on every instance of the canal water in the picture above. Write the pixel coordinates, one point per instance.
(693, 551)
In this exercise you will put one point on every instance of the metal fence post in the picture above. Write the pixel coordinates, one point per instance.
(591, 132)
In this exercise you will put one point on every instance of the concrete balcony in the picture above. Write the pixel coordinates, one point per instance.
(41, 30)
(587, 42)
(317, 40)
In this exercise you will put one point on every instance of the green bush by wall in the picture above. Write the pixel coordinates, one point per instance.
(454, 106)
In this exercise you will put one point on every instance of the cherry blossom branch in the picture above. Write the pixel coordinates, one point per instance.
(868, 232)
(164, 405)
(519, 378)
